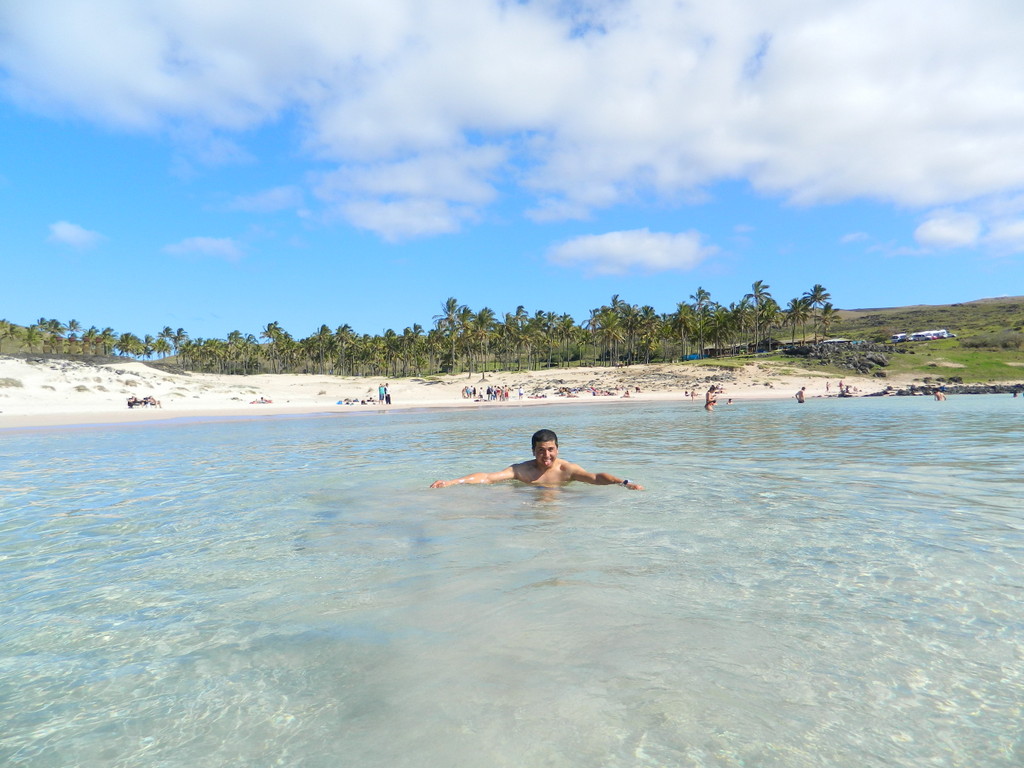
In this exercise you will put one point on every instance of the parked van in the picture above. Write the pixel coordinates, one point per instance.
(941, 333)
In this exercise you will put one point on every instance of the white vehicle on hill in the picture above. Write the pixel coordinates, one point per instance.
(941, 333)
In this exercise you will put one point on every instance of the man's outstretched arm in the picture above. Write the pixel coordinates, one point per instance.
(477, 478)
(601, 478)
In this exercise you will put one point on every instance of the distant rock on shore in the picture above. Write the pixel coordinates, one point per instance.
(865, 358)
(917, 390)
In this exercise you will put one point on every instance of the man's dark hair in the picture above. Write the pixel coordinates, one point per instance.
(543, 436)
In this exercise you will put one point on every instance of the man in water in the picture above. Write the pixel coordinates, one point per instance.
(800, 395)
(545, 469)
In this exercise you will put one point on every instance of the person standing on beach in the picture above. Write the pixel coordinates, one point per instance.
(387, 393)
(544, 469)
(800, 395)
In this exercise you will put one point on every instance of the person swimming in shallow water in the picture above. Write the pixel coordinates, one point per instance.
(544, 469)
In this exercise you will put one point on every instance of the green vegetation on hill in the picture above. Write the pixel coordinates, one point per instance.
(966, 319)
(939, 360)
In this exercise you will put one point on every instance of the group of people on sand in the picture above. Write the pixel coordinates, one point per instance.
(384, 394)
(144, 402)
(489, 394)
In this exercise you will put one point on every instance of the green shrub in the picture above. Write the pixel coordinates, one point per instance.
(999, 340)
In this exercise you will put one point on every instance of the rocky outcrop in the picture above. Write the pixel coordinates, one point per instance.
(949, 387)
(863, 357)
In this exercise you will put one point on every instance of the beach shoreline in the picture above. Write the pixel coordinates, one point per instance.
(64, 392)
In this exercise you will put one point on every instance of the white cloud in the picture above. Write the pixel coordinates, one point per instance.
(854, 237)
(1007, 236)
(583, 105)
(404, 219)
(216, 247)
(66, 233)
(424, 195)
(949, 229)
(615, 253)
(269, 200)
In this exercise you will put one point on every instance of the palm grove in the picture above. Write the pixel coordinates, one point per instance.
(463, 339)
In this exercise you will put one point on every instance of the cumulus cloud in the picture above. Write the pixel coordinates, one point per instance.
(1007, 236)
(615, 253)
(404, 219)
(582, 105)
(215, 247)
(66, 233)
(429, 194)
(949, 229)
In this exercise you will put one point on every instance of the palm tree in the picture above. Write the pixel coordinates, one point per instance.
(128, 344)
(162, 347)
(829, 315)
(166, 334)
(179, 337)
(758, 294)
(817, 297)
(344, 337)
(7, 331)
(683, 323)
(609, 332)
(770, 313)
(323, 342)
(481, 330)
(797, 312)
(448, 323)
(411, 338)
(649, 331)
(700, 301)
(235, 347)
(73, 329)
(566, 331)
(722, 324)
(31, 337)
(274, 335)
(107, 339)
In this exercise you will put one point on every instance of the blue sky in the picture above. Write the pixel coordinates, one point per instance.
(217, 165)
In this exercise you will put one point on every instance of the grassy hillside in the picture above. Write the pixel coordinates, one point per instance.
(966, 319)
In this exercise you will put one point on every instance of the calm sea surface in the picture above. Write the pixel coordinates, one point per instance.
(831, 584)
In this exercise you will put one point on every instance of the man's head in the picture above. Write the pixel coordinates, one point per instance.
(543, 436)
(545, 448)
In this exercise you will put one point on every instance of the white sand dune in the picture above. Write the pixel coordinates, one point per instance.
(64, 392)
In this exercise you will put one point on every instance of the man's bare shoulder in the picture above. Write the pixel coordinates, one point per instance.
(570, 470)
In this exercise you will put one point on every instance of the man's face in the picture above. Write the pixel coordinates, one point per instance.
(545, 453)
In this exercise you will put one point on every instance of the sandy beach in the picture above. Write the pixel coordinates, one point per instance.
(41, 393)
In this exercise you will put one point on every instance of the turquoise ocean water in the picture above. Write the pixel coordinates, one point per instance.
(832, 584)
